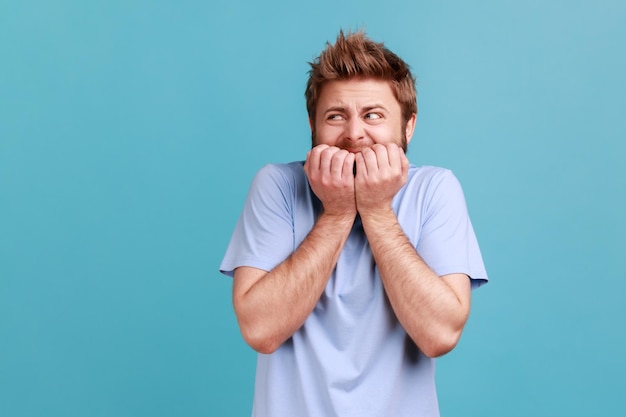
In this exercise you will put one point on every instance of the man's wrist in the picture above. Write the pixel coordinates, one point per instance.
(378, 215)
(338, 217)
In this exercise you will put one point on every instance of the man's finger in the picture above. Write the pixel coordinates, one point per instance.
(326, 157)
(371, 158)
(349, 166)
(395, 154)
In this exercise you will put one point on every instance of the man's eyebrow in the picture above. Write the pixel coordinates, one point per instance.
(374, 107)
(367, 108)
(335, 109)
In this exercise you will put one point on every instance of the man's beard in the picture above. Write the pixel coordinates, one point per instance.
(402, 143)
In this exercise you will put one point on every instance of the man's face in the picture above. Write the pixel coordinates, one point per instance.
(356, 114)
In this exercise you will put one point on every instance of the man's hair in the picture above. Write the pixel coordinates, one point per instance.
(355, 56)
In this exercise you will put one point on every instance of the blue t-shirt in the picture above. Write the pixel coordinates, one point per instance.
(351, 357)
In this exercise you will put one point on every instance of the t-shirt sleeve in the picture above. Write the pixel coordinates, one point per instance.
(263, 236)
(448, 243)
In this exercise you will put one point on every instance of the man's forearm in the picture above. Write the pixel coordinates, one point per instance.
(431, 311)
(272, 306)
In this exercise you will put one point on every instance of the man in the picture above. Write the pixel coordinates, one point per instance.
(353, 270)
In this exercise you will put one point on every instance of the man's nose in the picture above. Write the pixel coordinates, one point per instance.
(355, 129)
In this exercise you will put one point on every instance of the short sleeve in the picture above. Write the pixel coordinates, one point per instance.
(447, 240)
(263, 236)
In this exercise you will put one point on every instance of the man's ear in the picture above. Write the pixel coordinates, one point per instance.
(311, 124)
(410, 127)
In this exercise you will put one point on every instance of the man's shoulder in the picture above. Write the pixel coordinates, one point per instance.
(428, 169)
(427, 181)
(280, 174)
(295, 168)
(426, 174)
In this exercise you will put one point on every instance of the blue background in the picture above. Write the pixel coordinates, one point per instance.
(130, 130)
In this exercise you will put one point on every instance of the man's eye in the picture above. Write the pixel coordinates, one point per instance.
(335, 117)
(373, 116)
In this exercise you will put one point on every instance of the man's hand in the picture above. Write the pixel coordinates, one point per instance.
(380, 173)
(330, 173)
